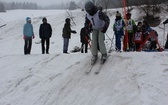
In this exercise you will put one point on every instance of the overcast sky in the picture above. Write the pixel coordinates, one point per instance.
(42, 2)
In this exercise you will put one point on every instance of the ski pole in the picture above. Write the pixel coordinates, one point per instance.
(112, 42)
(88, 41)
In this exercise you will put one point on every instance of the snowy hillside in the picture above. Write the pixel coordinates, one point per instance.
(128, 78)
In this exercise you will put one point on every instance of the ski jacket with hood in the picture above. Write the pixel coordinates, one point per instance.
(28, 28)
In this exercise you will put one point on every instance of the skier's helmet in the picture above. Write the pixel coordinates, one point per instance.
(90, 8)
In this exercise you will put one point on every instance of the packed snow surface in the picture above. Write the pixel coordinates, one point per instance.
(127, 78)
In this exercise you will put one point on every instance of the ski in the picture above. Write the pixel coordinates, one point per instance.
(91, 66)
(101, 65)
(98, 70)
(89, 69)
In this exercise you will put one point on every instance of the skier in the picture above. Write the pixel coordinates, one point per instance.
(45, 33)
(28, 34)
(118, 28)
(100, 23)
(67, 34)
(130, 26)
(138, 36)
(84, 38)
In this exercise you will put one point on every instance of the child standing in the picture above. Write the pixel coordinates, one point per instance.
(84, 38)
(118, 29)
(138, 36)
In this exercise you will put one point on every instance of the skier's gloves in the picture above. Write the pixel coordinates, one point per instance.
(74, 32)
(33, 36)
(104, 30)
(24, 37)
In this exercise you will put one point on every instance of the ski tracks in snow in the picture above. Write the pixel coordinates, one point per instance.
(122, 81)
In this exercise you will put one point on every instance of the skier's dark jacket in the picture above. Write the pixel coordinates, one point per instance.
(67, 30)
(45, 30)
(84, 35)
(103, 17)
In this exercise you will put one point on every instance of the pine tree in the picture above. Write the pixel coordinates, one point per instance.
(2, 7)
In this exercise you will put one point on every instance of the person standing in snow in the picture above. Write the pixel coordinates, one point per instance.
(100, 23)
(45, 33)
(118, 28)
(138, 37)
(28, 34)
(130, 26)
(67, 34)
(84, 38)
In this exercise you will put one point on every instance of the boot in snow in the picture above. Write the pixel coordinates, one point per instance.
(103, 58)
(94, 59)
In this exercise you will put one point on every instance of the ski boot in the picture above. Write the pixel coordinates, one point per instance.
(103, 58)
(94, 59)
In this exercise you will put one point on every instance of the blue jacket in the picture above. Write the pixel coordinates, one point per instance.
(28, 28)
(121, 24)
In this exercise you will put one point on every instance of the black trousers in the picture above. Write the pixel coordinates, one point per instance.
(153, 45)
(43, 41)
(130, 39)
(27, 46)
(82, 47)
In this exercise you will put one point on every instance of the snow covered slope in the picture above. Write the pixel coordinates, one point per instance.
(128, 78)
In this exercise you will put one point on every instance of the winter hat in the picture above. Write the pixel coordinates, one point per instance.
(28, 19)
(67, 20)
(118, 14)
(128, 14)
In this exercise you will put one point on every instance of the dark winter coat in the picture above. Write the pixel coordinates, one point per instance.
(84, 35)
(45, 30)
(67, 31)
